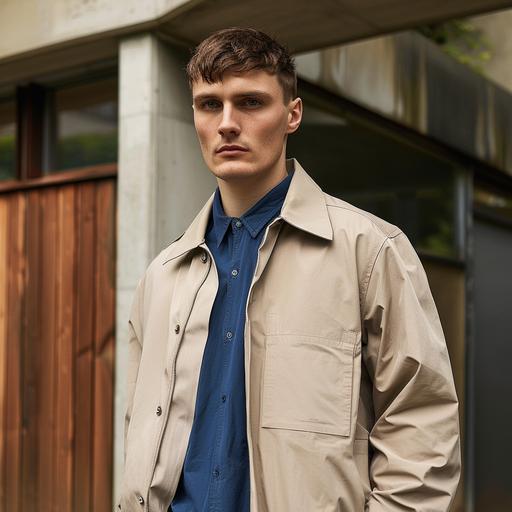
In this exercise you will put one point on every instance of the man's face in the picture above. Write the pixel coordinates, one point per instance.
(242, 123)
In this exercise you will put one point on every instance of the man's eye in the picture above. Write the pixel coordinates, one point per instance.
(252, 102)
(209, 104)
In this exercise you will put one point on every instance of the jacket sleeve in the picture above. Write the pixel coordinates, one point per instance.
(134, 339)
(415, 436)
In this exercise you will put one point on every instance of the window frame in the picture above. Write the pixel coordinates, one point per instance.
(31, 127)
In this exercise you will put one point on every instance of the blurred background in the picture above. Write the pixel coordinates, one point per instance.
(408, 114)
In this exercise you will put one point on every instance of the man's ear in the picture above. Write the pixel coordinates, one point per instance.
(294, 115)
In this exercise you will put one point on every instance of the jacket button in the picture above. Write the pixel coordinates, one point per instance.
(177, 328)
(158, 411)
(140, 499)
(204, 257)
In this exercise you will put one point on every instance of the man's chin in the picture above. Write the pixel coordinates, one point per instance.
(232, 170)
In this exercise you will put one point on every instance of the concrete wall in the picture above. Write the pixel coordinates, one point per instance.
(162, 179)
(27, 25)
(497, 29)
(408, 79)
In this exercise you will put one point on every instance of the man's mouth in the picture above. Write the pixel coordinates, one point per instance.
(231, 148)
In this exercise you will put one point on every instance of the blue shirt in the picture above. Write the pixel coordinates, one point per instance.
(215, 475)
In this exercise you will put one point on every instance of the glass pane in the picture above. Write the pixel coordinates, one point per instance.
(367, 166)
(84, 125)
(494, 202)
(7, 140)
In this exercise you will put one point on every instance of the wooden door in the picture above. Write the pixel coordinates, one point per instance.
(57, 305)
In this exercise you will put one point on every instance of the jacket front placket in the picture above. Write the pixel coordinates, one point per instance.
(189, 281)
(264, 252)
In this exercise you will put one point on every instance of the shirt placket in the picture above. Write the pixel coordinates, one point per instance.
(228, 337)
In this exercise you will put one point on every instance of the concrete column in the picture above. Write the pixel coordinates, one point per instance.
(496, 30)
(162, 180)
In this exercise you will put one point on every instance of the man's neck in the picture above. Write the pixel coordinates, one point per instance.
(238, 196)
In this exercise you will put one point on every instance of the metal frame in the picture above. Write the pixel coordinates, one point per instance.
(468, 451)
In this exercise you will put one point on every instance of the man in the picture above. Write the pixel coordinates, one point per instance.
(286, 353)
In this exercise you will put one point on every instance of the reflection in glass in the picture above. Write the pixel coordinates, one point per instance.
(83, 126)
(367, 167)
(7, 140)
(495, 202)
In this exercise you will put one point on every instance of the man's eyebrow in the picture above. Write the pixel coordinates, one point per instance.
(244, 94)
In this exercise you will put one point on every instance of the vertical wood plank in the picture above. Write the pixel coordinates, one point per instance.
(4, 206)
(65, 297)
(104, 346)
(57, 307)
(31, 354)
(84, 356)
(46, 466)
(15, 332)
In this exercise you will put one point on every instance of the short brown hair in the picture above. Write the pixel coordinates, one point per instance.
(239, 50)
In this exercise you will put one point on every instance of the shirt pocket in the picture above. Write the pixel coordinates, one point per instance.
(308, 381)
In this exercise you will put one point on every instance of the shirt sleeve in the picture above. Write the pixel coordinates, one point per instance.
(415, 436)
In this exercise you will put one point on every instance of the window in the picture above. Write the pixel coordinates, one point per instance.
(81, 125)
(493, 203)
(54, 124)
(7, 139)
(373, 168)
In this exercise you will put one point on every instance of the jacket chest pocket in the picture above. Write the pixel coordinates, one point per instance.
(307, 382)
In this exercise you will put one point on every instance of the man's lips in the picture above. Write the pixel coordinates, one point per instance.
(231, 147)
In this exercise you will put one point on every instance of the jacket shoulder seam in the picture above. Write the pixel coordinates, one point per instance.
(371, 267)
(396, 231)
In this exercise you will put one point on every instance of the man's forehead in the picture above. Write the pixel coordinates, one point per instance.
(238, 83)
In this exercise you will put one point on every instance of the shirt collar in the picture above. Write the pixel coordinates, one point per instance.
(256, 217)
(304, 208)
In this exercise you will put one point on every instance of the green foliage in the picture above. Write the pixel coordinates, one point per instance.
(86, 149)
(461, 40)
(7, 157)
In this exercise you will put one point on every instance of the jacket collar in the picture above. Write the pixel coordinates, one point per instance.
(303, 207)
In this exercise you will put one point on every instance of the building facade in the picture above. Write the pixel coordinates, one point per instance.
(100, 169)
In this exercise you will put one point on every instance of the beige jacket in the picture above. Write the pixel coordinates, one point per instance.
(351, 404)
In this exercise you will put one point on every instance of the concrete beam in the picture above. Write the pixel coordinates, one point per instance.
(73, 26)
(304, 25)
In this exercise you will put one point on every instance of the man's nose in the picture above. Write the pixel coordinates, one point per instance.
(229, 124)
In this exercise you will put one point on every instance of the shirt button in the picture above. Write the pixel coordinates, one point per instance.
(216, 472)
(140, 499)
(234, 272)
(177, 328)
(204, 257)
(158, 411)
(229, 335)
(223, 398)
(238, 223)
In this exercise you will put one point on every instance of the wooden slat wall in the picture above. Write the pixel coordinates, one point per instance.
(3, 345)
(16, 286)
(57, 304)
